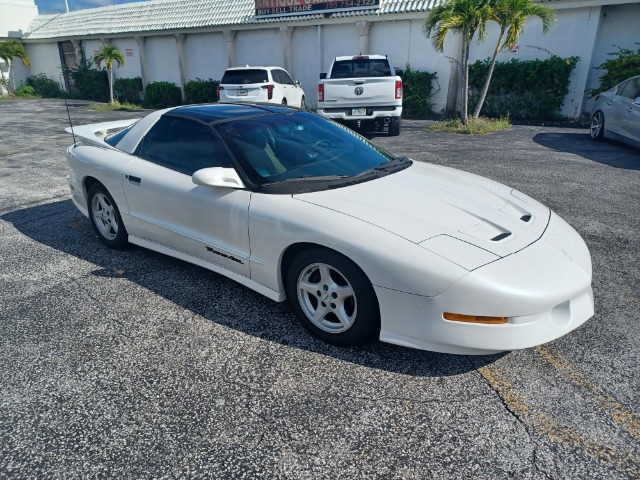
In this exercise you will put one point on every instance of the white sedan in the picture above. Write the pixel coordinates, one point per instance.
(363, 244)
(616, 113)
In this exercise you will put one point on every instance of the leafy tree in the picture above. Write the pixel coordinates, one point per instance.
(511, 15)
(465, 17)
(8, 51)
(107, 53)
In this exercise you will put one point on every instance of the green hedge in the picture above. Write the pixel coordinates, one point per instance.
(522, 89)
(625, 64)
(89, 83)
(162, 95)
(43, 86)
(417, 89)
(201, 91)
(128, 90)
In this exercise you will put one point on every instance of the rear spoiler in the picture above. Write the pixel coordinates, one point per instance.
(95, 133)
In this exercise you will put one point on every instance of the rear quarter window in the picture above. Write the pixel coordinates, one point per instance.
(244, 77)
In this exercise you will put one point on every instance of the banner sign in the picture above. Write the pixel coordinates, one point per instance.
(270, 8)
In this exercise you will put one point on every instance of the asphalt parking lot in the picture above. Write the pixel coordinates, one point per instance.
(135, 365)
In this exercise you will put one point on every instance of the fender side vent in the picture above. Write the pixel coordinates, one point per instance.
(497, 238)
(525, 218)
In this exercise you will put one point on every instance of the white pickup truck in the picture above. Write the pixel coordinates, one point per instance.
(362, 90)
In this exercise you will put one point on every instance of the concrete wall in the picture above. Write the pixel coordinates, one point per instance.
(162, 59)
(259, 47)
(206, 56)
(131, 67)
(45, 58)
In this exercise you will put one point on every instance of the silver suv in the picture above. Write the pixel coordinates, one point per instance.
(260, 85)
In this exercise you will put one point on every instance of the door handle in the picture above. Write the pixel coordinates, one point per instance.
(609, 103)
(134, 180)
(629, 109)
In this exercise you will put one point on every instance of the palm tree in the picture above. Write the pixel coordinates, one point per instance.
(10, 50)
(108, 54)
(465, 17)
(511, 15)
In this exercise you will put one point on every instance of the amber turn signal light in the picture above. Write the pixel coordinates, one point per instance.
(456, 317)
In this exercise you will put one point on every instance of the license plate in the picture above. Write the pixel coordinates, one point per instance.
(243, 92)
(358, 111)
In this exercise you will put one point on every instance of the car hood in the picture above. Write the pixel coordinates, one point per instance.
(427, 203)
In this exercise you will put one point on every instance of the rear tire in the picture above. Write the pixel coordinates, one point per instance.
(332, 297)
(394, 126)
(597, 126)
(105, 218)
(303, 104)
(284, 101)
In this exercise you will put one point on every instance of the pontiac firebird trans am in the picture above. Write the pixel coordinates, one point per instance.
(363, 244)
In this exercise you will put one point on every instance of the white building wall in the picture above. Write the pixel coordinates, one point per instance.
(304, 61)
(337, 40)
(263, 47)
(15, 17)
(162, 59)
(45, 58)
(206, 56)
(131, 67)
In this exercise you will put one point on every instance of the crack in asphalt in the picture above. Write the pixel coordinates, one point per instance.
(543, 425)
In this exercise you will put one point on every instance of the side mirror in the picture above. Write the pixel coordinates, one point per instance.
(297, 82)
(217, 177)
(637, 101)
(323, 75)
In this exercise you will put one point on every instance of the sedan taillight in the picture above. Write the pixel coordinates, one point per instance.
(321, 92)
(269, 89)
(398, 88)
(220, 87)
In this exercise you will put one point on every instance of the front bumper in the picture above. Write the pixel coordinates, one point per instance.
(544, 289)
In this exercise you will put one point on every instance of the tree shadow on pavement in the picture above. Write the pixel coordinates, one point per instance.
(607, 152)
(215, 297)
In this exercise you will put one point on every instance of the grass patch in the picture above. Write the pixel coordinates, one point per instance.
(116, 105)
(475, 126)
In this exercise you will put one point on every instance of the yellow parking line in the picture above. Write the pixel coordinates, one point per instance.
(618, 412)
(546, 426)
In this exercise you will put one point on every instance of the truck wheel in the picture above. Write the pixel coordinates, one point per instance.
(394, 127)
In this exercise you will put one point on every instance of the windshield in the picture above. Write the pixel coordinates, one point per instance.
(299, 147)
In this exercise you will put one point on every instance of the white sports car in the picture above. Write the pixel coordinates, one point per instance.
(363, 244)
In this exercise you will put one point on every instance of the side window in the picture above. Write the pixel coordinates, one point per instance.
(184, 146)
(631, 89)
(277, 76)
(621, 87)
(286, 78)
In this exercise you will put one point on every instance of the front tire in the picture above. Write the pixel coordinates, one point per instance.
(333, 299)
(105, 218)
(394, 126)
(597, 126)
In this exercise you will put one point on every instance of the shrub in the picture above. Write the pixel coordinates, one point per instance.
(128, 90)
(25, 91)
(44, 86)
(89, 83)
(417, 88)
(201, 91)
(625, 64)
(161, 95)
(522, 89)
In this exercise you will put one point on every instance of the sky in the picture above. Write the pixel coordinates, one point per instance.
(57, 6)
